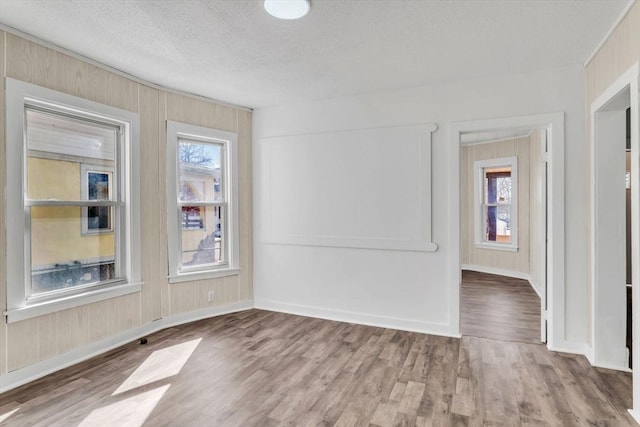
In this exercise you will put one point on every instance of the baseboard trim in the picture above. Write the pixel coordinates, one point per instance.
(534, 285)
(30, 373)
(635, 415)
(500, 272)
(440, 329)
(571, 347)
(590, 355)
(612, 367)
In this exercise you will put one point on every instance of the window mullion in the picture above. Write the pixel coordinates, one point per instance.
(80, 203)
(198, 203)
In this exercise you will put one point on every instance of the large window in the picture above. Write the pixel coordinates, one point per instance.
(201, 202)
(496, 196)
(71, 205)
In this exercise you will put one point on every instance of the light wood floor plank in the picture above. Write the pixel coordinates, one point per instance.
(499, 307)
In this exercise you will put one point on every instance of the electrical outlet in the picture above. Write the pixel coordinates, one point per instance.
(212, 296)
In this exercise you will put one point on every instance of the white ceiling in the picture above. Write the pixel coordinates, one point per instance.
(231, 50)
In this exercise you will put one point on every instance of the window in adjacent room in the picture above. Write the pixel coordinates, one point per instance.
(202, 197)
(73, 201)
(496, 184)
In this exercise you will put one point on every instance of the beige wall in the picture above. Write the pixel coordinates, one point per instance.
(617, 55)
(37, 339)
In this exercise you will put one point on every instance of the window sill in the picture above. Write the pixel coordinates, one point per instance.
(497, 246)
(64, 303)
(203, 275)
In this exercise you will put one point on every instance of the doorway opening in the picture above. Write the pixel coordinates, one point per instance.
(503, 233)
(613, 215)
(615, 234)
(550, 256)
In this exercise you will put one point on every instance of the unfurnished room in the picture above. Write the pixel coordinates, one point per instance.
(319, 213)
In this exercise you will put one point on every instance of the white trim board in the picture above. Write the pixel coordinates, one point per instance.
(30, 373)
(430, 328)
(571, 347)
(589, 354)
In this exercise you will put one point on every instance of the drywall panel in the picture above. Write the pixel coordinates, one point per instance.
(314, 196)
(517, 262)
(410, 289)
(610, 243)
(3, 238)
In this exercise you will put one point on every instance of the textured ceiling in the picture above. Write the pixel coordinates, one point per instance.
(233, 51)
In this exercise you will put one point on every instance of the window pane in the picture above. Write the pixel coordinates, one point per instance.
(200, 171)
(192, 218)
(98, 218)
(98, 187)
(63, 257)
(57, 146)
(497, 185)
(204, 243)
(498, 223)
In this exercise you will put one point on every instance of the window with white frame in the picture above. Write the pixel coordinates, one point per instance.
(72, 216)
(496, 203)
(201, 202)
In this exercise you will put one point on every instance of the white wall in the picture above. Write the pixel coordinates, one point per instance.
(400, 288)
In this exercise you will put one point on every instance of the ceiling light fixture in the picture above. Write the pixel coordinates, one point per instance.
(287, 9)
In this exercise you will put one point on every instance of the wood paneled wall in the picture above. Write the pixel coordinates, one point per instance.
(37, 339)
(617, 55)
(490, 258)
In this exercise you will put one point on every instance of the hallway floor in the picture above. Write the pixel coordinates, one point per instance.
(499, 307)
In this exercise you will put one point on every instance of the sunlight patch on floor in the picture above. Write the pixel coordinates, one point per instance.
(7, 415)
(130, 412)
(159, 365)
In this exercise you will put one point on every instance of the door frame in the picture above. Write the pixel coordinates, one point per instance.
(555, 254)
(629, 80)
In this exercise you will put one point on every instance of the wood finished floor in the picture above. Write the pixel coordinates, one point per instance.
(260, 368)
(499, 307)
